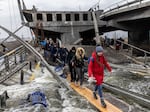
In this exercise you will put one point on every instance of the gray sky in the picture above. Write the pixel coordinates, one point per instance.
(10, 18)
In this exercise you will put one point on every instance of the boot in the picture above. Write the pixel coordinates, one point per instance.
(103, 103)
(94, 95)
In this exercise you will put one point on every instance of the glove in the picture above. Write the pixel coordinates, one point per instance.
(92, 80)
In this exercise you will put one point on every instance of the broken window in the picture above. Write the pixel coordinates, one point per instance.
(49, 17)
(85, 17)
(68, 17)
(59, 17)
(39, 17)
(76, 17)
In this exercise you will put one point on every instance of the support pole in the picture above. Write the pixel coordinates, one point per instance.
(22, 77)
(30, 66)
(145, 60)
(15, 58)
(3, 99)
(96, 28)
(21, 58)
(6, 59)
(20, 10)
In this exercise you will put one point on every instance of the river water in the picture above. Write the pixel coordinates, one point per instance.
(58, 99)
(131, 81)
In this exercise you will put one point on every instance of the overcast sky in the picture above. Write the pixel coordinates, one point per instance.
(10, 18)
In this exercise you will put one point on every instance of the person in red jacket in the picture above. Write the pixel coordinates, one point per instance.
(96, 71)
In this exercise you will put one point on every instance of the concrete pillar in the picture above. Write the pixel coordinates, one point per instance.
(72, 16)
(96, 28)
(54, 16)
(44, 17)
(63, 17)
(34, 15)
(89, 16)
(81, 16)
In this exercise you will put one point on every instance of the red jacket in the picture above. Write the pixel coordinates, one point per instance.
(96, 69)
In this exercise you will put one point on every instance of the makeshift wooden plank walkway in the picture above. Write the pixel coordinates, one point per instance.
(88, 94)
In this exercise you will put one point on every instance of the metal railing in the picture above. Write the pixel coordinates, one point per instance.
(141, 99)
(12, 62)
(131, 47)
(12, 58)
(122, 4)
(39, 57)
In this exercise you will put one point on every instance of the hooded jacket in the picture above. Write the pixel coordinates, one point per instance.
(96, 67)
(79, 59)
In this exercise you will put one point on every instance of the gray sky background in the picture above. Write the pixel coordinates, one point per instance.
(10, 18)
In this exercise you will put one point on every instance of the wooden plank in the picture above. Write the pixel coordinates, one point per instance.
(88, 94)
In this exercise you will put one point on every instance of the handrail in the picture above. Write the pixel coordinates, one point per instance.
(141, 99)
(134, 47)
(11, 52)
(139, 49)
(39, 56)
(6, 63)
(120, 4)
(15, 70)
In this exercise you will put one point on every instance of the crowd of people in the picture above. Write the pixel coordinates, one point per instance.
(53, 52)
(75, 59)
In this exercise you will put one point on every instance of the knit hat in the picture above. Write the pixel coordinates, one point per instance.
(99, 49)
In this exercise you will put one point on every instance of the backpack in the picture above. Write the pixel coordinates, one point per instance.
(90, 59)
